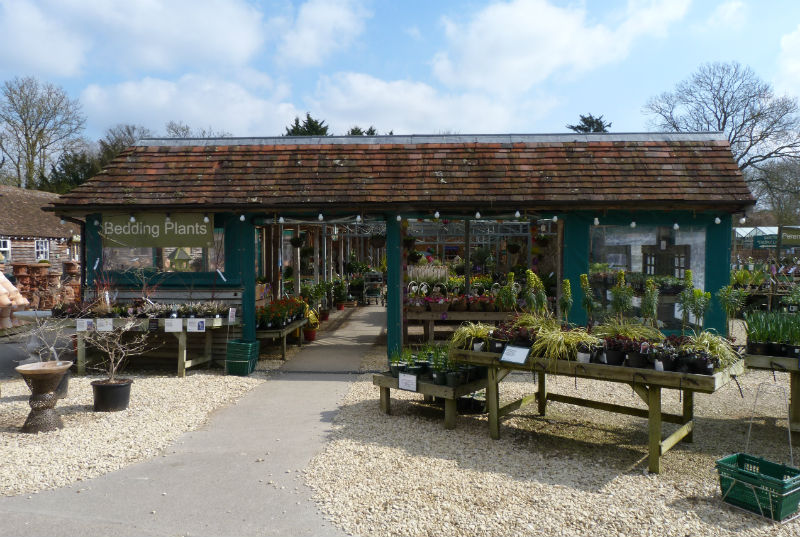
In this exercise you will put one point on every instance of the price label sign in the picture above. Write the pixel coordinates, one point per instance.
(105, 325)
(173, 325)
(152, 325)
(231, 315)
(84, 325)
(515, 355)
(407, 382)
(195, 325)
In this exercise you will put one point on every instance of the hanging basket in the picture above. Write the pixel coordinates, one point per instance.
(297, 242)
(377, 241)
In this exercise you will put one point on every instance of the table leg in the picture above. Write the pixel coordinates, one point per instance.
(181, 354)
(386, 406)
(81, 354)
(542, 398)
(688, 412)
(283, 347)
(430, 333)
(209, 348)
(492, 403)
(450, 412)
(794, 401)
(654, 423)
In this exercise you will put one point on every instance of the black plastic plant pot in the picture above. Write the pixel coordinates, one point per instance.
(793, 351)
(453, 378)
(396, 369)
(615, 357)
(439, 378)
(111, 397)
(496, 345)
(414, 370)
(757, 348)
(668, 362)
(639, 360)
(774, 349)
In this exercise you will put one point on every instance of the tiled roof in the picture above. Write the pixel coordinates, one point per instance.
(21, 215)
(642, 171)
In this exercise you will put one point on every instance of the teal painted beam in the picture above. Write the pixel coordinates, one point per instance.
(240, 259)
(94, 248)
(576, 259)
(718, 269)
(394, 286)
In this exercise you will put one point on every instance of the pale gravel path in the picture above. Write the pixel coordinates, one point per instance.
(95, 443)
(577, 472)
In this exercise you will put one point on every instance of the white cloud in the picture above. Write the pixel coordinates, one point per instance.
(322, 27)
(730, 15)
(59, 36)
(34, 42)
(196, 100)
(509, 47)
(788, 78)
(348, 99)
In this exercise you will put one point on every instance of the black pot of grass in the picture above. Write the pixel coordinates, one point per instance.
(453, 378)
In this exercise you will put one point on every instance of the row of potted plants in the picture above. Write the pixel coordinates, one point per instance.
(432, 363)
(141, 309)
(615, 342)
(773, 333)
(279, 313)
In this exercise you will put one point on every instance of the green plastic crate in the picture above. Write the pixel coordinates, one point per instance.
(240, 368)
(760, 486)
(240, 350)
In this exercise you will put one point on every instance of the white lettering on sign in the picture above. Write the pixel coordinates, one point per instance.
(154, 230)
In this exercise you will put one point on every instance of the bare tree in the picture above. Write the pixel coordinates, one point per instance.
(38, 121)
(730, 98)
(777, 185)
(119, 138)
(179, 129)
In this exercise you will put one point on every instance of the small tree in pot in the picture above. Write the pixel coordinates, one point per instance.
(115, 347)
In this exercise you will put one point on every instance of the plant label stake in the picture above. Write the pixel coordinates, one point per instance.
(407, 382)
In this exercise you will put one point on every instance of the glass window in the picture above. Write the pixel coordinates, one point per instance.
(5, 249)
(42, 248)
(658, 252)
(168, 259)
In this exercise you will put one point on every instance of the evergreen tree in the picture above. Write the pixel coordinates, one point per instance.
(309, 127)
(589, 123)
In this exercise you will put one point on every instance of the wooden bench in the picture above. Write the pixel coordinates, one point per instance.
(386, 382)
(282, 333)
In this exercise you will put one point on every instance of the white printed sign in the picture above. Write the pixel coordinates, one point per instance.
(195, 325)
(231, 315)
(105, 325)
(515, 355)
(407, 382)
(173, 325)
(84, 325)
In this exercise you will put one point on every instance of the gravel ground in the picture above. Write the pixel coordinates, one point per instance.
(94, 443)
(577, 472)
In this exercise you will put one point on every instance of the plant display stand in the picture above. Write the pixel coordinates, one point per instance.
(429, 318)
(647, 384)
(282, 333)
(785, 365)
(181, 336)
(757, 485)
(386, 382)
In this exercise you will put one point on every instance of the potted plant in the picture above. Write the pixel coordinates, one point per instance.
(649, 307)
(396, 363)
(297, 241)
(565, 300)
(115, 347)
(340, 294)
(506, 297)
(439, 366)
(588, 302)
(310, 329)
(621, 297)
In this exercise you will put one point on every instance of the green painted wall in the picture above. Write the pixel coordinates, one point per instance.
(394, 303)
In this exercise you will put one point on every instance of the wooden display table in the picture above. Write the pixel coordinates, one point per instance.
(386, 382)
(429, 319)
(785, 365)
(647, 383)
(282, 333)
(142, 325)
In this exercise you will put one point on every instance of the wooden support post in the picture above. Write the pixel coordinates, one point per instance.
(209, 357)
(81, 354)
(688, 412)
(794, 401)
(542, 398)
(386, 406)
(467, 259)
(493, 403)
(181, 352)
(296, 263)
(654, 424)
(283, 347)
(316, 253)
(450, 413)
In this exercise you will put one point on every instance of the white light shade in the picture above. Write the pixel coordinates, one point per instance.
(633, 224)
(675, 226)
(205, 218)
(281, 220)
(133, 218)
(63, 221)
(399, 218)
(477, 214)
(742, 220)
(167, 218)
(436, 215)
(555, 219)
(717, 220)
(320, 217)
(596, 221)
(241, 218)
(516, 214)
(358, 218)
(97, 222)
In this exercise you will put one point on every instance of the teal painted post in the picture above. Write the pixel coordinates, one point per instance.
(242, 255)
(93, 244)
(394, 286)
(576, 259)
(718, 268)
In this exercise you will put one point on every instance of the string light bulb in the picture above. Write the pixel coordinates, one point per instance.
(63, 221)
(516, 214)
(205, 218)
(436, 215)
(281, 220)
(555, 219)
(358, 218)
(742, 220)
(675, 226)
(399, 218)
(133, 219)
(633, 224)
(167, 218)
(97, 222)
(596, 221)
(320, 217)
(241, 218)
(717, 220)
(477, 214)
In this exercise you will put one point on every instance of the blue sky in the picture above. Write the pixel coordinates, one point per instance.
(412, 66)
